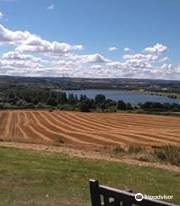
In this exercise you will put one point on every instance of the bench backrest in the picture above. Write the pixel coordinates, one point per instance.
(106, 196)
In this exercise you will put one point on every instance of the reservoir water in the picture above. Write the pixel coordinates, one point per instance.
(133, 97)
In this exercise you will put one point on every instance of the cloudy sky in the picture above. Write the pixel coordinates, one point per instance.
(90, 38)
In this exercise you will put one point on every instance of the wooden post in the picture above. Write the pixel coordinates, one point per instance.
(95, 194)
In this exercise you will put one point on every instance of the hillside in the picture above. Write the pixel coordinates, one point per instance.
(48, 179)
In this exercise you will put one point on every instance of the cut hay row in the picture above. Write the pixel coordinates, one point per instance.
(74, 137)
(89, 137)
(169, 132)
(69, 124)
(139, 138)
(83, 135)
(53, 131)
(130, 117)
(152, 135)
(112, 123)
(113, 139)
(131, 139)
(23, 127)
(33, 135)
(87, 123)
(88, 128)
(35, 128)
(140, 120)
(164, 138)
(12, 128)
(129, 122)
(3, 123)
(8, 125)
(23, 135)
(92, 122)
(63, 117)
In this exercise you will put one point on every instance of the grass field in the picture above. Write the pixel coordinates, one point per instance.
(29, 178)
(88, 129)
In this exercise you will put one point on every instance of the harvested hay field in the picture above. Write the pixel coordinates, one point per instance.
(88, 129)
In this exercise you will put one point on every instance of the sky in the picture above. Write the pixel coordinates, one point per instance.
(90, 38)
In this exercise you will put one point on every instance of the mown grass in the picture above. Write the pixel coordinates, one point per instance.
(44, 179)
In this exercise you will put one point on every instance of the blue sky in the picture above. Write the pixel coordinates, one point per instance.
(96, 25)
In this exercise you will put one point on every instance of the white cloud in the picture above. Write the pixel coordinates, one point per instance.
(156, 49)
(96, 66)
(20, 67)
(177, 68)
(164, 59)
(14, 63)
(27, 42)
(1, 15)
(50, 7)
(112, 48)
(91, 58)
(31, 55)
(126, 49)
(13, 37)
(44, 46)
(16, 56)
(20, 64)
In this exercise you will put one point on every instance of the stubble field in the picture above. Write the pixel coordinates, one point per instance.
(88, 129)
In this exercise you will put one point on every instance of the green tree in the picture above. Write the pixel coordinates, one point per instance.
(121, 105)
(84, 107)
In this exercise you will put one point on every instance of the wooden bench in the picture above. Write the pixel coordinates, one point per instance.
(107, 196)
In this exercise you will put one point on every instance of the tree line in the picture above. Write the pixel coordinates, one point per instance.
(29, 98)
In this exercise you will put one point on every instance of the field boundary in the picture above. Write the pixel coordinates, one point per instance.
(85, 153)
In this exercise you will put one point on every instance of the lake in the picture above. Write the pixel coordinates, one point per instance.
(133, 97)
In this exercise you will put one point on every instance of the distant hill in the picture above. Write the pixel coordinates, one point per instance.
(91, 83)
